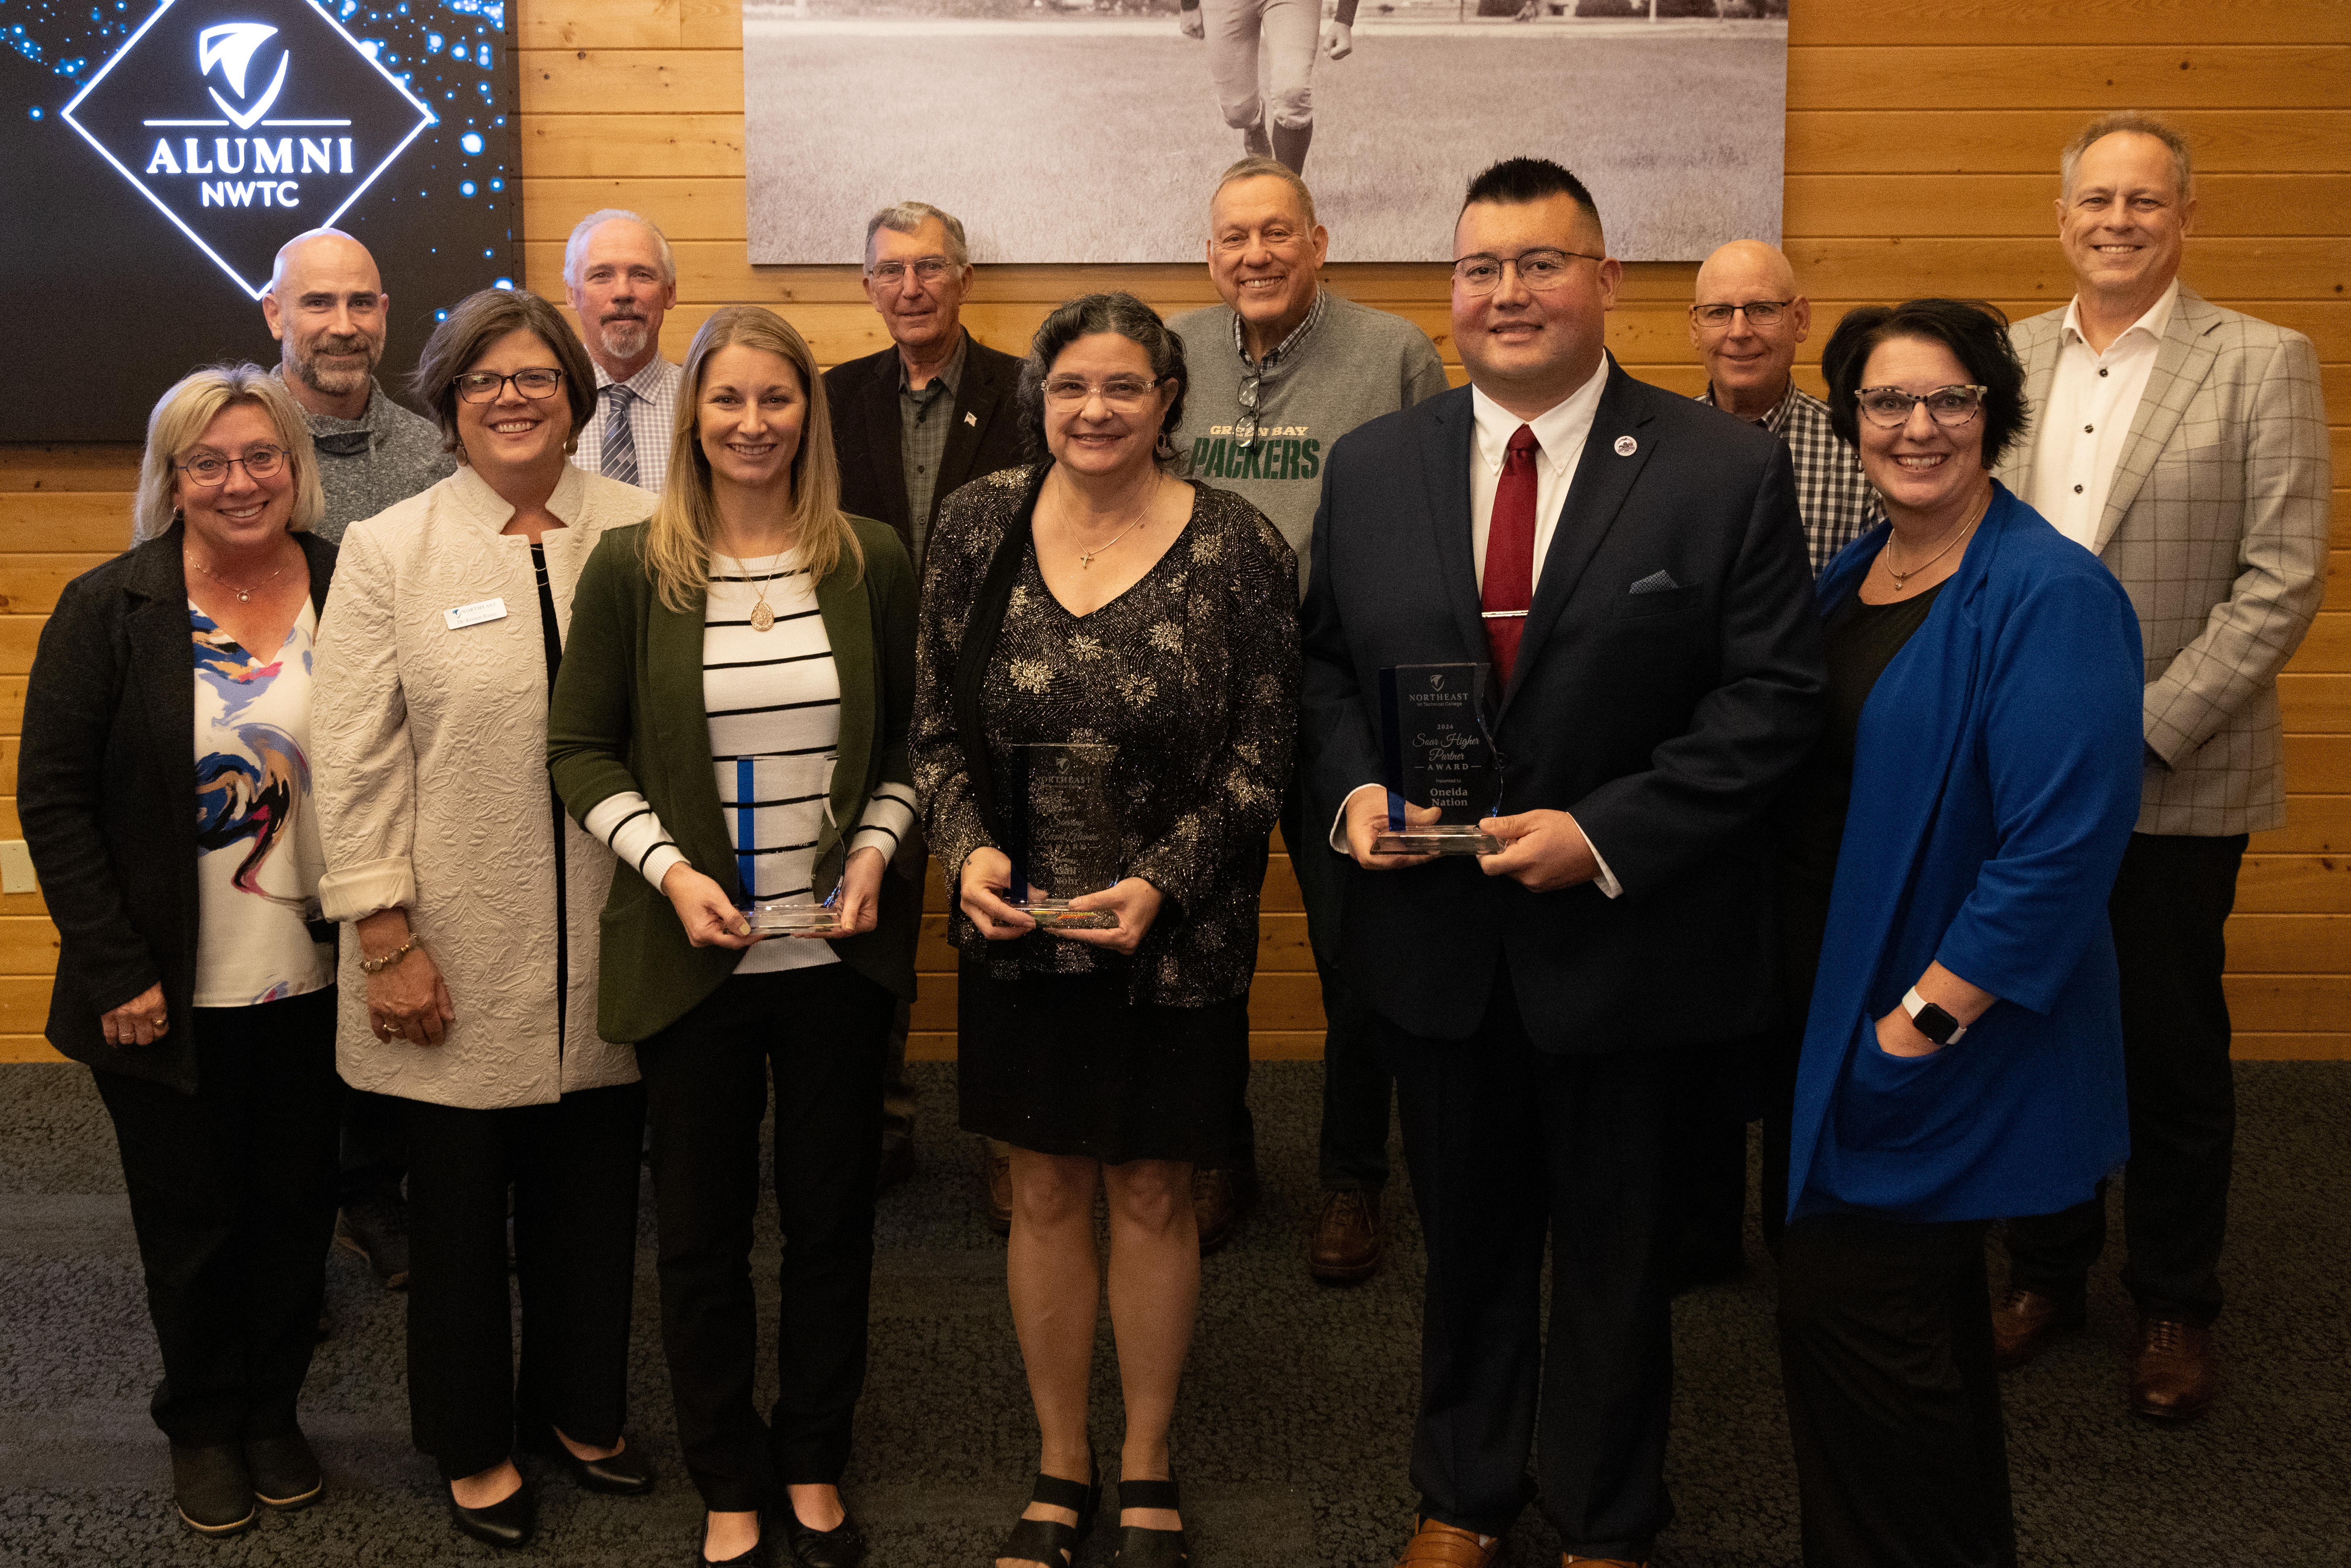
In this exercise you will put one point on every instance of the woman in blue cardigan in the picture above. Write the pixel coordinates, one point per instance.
(1952, 850)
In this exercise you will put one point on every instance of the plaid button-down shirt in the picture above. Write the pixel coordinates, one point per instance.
(1836, 502)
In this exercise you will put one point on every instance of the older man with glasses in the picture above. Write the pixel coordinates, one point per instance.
(1278, 371)
(909, 426)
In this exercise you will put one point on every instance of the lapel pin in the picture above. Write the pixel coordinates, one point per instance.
(972, 420)
(1626, 446)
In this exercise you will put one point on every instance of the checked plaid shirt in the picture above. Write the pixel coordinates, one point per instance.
(1836, 502)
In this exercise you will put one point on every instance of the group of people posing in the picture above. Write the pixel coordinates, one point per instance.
(1879, 766)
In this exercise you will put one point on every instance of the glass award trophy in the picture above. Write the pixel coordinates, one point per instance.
(1438, 757)
(1068, 831)
(790, 780)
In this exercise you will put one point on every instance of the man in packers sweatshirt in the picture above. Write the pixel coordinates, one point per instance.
(1278, 372)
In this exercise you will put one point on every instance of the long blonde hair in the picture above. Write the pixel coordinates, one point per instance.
(678, 539)
(179, 421)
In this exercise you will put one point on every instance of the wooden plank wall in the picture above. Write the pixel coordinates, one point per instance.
(1920, 154)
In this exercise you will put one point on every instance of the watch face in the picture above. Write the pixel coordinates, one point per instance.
(1936, 1024)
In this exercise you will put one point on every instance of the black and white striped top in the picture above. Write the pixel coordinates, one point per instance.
(773, 699)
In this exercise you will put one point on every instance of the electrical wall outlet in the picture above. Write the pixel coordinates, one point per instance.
(16, 868)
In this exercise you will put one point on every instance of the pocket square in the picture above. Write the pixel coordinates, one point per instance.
(1656, 582)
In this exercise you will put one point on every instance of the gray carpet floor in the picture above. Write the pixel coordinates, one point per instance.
(1292, 1435)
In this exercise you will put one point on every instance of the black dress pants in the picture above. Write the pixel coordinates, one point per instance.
(1509, 1147)
(232, 1196)
(2167, 911)
(1358, 1085)
(1893, 1404)
(573, 1168)
(819, 1033)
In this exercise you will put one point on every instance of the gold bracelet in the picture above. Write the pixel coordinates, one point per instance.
(378, 965)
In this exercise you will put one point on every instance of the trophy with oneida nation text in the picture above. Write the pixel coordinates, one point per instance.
(1442, 771)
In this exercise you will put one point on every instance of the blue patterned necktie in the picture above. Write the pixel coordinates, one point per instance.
(618, 459)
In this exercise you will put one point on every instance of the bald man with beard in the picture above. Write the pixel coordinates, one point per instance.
(1746, 320)
(327, 309)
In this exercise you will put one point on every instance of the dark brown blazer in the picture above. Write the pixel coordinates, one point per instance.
(982, 436)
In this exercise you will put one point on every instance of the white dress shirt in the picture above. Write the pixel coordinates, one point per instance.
(1559, 434)
(2092, 398)
(653, 418)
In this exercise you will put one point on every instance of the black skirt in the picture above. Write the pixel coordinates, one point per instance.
(1064, 1064)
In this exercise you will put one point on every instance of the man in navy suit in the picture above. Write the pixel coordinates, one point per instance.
(1633, 567)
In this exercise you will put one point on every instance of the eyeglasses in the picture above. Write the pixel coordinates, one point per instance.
(1245, 426)
(1758, 312)
(210, 468)
(488, 386)
(1124, 393)
(1540, 270)
(1888, 408)
(929, 269)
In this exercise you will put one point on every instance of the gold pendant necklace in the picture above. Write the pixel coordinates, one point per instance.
(1901, 578)
(762, 617)
(1086, 557)
(245, 595)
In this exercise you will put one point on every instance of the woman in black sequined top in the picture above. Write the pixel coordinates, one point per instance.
(1093, 600)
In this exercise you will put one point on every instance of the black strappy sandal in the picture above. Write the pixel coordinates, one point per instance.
(1140, 1548)
(1049, 1543)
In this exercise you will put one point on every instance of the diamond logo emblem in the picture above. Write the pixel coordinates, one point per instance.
(247, 123)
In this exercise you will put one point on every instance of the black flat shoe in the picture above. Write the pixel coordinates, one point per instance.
(1049, 1543)
(625, 1474)
(1140, 1548)
(510, 1521)
(211, 1488)
(285, 1471)
(843, 1546)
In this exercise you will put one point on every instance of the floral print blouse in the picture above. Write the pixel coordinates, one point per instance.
(1191, 674)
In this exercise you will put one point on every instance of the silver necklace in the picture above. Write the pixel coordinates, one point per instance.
(244, 595)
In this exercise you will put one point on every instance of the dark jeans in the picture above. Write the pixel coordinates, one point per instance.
(232, 1196)
(1510, 1147)
(1893, 1405)
(1358, 1082)
(818, 1034)
(573, 1168)
(2168, 907)
(374, 1148)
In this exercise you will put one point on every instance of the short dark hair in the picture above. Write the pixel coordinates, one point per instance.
(1517, 181)
(1129, 317)
(1975, 332)
(466, 334)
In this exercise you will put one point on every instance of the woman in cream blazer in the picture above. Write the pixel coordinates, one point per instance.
(470, 992)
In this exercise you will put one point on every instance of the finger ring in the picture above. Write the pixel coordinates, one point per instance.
(157, 1020)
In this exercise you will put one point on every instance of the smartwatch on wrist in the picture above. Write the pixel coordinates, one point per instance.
(1931, 1021)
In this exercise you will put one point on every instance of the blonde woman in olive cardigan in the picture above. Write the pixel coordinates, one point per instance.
(731, 720)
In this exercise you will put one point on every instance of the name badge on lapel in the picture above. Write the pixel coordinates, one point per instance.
(474, 614)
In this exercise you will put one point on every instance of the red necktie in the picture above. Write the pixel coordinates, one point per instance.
(1511, 554)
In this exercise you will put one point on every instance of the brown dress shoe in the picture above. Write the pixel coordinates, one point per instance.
(1221, 1196)
(1346, 1243)
(2022, 1322)
(999, 1187)
(2172, 1375)
(1436, 1545)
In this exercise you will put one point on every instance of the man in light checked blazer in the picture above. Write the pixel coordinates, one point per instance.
(2187, 445)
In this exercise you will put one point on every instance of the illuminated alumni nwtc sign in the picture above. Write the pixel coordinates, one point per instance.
(246, 122)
